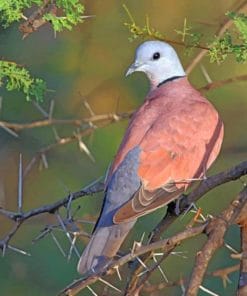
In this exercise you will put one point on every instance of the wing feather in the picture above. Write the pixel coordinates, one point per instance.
(174, 150)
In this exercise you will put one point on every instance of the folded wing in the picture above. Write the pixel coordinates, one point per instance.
(174, 151)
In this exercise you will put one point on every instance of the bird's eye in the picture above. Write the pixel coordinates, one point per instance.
(156, 56)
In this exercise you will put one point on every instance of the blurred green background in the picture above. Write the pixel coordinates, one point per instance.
(89, 63)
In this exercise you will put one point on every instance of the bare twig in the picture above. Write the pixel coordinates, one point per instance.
(220, 83)
(152, 34)
(103, 119)
(52, 121)
(221, 273)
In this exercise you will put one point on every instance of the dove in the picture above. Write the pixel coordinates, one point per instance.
(171, 140)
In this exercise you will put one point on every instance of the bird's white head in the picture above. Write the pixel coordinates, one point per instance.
(158, 60)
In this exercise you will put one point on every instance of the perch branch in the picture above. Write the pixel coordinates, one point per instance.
(185, 201)
(198, 192)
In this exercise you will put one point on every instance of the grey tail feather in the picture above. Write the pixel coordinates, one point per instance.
(103, 246)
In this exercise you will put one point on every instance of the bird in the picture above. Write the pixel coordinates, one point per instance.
(171, 140)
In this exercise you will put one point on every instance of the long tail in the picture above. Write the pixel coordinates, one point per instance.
(103, 246)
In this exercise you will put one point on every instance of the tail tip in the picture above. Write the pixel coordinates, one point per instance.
(97, 265)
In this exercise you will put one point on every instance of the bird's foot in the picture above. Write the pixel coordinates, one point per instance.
(178, 209)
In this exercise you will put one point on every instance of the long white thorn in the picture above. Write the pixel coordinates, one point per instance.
(18, 250)
(92, 291)
(161, 270)
(10, 131)
(110, 285)
(40, 109)
(20, 185)
(67, 234)
(230, 248)
(208, 291)
(57, 244)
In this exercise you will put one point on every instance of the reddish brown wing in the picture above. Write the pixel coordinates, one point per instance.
(174, 150)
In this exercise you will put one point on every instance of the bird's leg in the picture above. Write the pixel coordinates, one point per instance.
(194, 209)
(178, 209)
(191, 207)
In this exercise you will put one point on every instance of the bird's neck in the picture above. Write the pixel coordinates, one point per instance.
(173, 88)
(156, 85)
(166, 74)
(170, 79)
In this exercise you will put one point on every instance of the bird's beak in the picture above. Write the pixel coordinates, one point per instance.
(133, 68)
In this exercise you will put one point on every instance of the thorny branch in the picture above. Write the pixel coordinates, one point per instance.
(214, 229)
(86, 126)
(165, 245)
(185, 202)
(137, 283)
(230, 215)
(20, 217)
(75, 122)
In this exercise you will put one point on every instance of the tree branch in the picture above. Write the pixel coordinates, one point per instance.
(220, 32)
(20, 217)
(35, 20)
(76, 122)
(220, 83)
(222, 273)
(216, 231)
(242, 285)
(184, 202)
(206, 185)
(53, 207)
(164, 245)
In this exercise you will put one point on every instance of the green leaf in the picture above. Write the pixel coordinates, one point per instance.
(15, 77)
(12, 10)
(71, 15)
(70, 12)
(240, 21)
